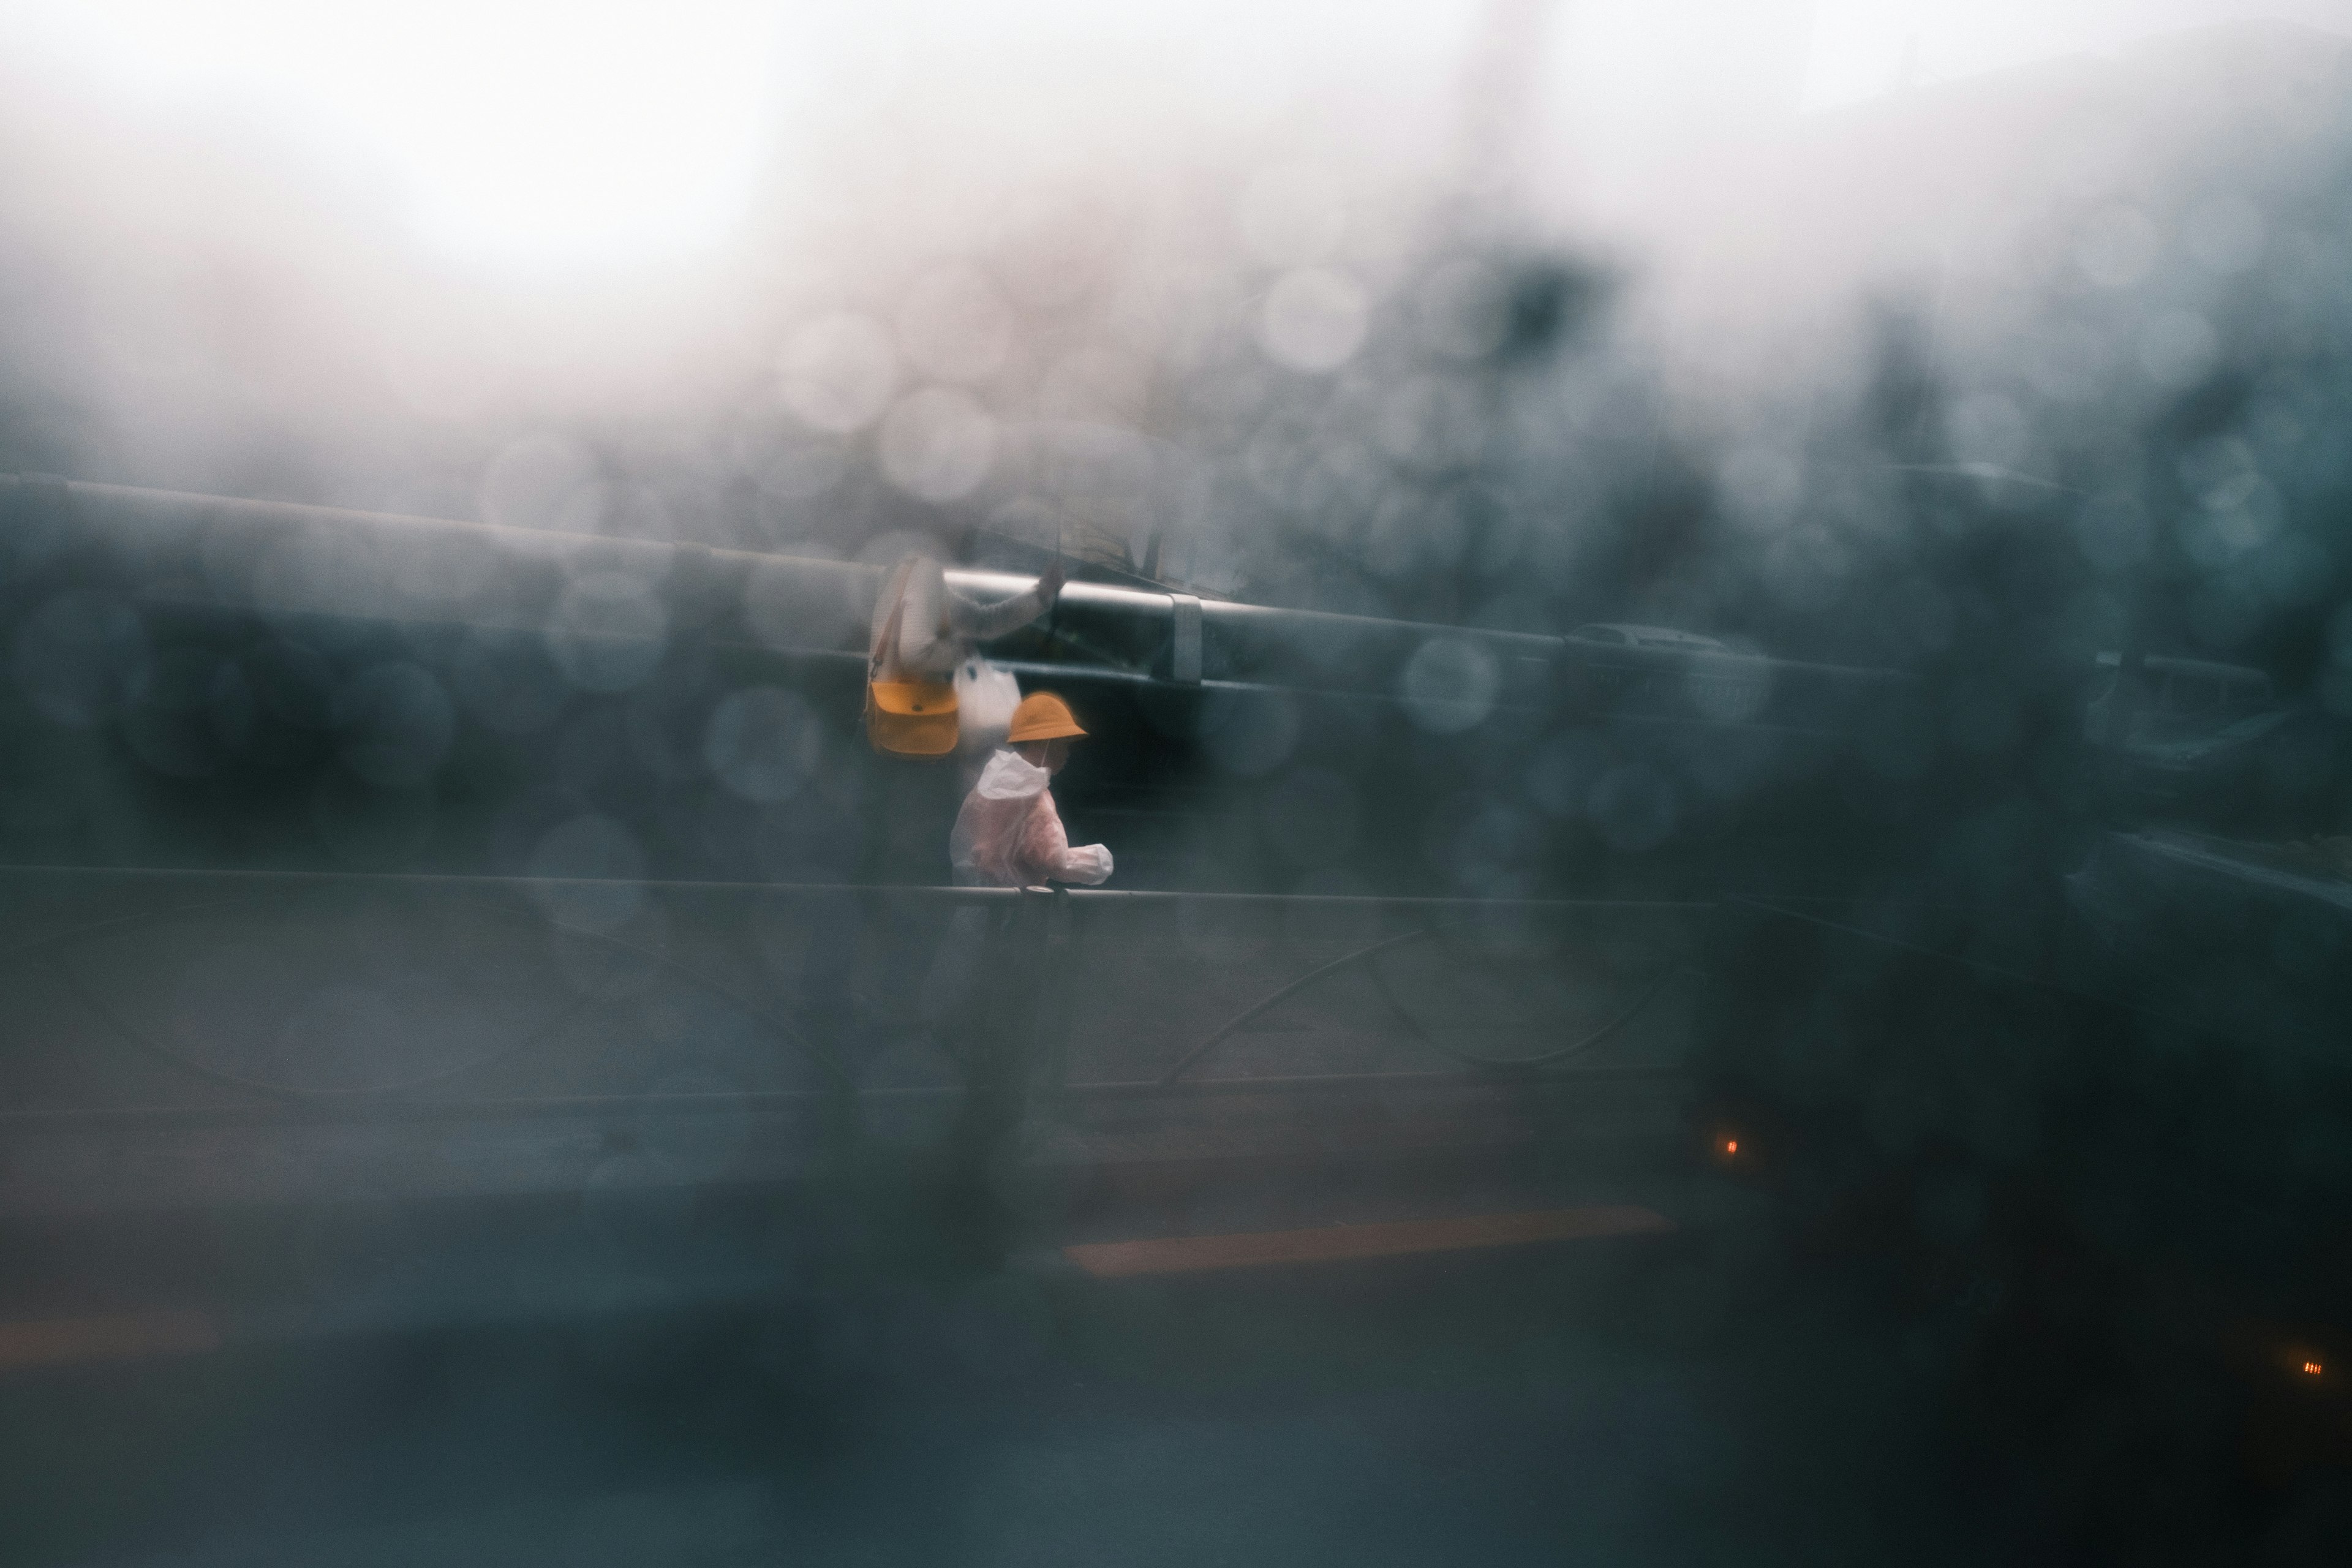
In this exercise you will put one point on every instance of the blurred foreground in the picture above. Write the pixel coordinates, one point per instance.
(1728, 743)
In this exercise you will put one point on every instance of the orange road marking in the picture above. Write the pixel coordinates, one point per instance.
(58, 1341)
(1195, 1254)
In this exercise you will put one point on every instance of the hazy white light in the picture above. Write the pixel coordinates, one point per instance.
(1093, 386)
(513, 129)
(530, 482)
(837, 371)
(801, 470)
(1291, 215)
(952, 325)
(1857, 49)
(1315, 320)
(938, 444)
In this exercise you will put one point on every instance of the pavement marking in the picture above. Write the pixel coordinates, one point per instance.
(1196, 1254)
(60, 1342)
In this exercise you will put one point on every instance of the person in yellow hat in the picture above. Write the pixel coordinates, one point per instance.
(1009, 834)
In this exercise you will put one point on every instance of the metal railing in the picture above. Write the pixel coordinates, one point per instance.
(489, 996)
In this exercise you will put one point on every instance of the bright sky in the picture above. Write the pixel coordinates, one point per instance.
(519, 130)
(1859, 47)
(596, 131)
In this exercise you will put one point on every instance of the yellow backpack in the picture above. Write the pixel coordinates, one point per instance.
(906, 718)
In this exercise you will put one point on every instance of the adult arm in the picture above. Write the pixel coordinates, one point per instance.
(980, 622)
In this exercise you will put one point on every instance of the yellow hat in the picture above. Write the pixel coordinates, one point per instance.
(1043, 716)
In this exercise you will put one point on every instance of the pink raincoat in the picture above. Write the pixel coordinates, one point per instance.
(1008, 834)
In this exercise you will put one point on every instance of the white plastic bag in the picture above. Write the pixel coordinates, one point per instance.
(986, 696)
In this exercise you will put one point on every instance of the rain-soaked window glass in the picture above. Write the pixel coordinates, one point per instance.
(1492, 781)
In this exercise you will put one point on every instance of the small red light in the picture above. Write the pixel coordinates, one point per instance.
(2311, 1368)
(1731, 1146)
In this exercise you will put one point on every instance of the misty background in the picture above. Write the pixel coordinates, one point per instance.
(1967, 342)
(1946, 339)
